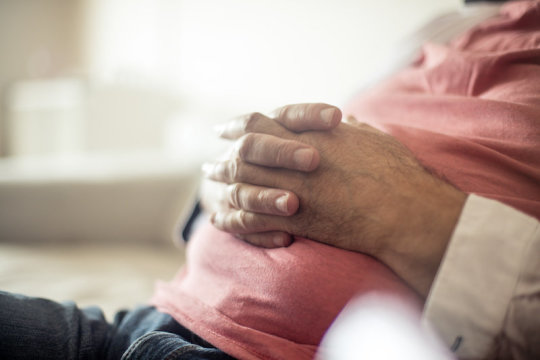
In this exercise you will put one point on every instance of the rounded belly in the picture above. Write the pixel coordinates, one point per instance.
(294, 293)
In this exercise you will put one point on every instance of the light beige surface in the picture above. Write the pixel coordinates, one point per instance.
(95, 229)
(136, 197)
(111, 276)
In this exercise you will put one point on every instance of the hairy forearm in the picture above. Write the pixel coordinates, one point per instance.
(368, 193)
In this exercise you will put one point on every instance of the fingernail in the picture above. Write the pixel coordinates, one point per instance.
(327, 115)
(303, 158)
(281, 203)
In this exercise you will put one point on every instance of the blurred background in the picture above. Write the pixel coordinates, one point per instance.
(107, 109)
(107, 106)
(121, 75)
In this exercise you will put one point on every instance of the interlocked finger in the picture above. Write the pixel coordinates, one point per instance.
(272, 151)
(238, 171)
(262, 200)
(306, 117)
(244, 222)
(270, 239)
(290, 118)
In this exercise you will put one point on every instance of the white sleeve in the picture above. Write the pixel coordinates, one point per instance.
(491, 261)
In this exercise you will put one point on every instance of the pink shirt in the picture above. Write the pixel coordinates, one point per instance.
(469, 111)
(255, 303)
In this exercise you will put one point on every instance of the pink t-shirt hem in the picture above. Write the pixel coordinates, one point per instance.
(220, 330)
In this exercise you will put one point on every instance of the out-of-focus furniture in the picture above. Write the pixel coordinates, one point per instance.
(97, 229)
(131, 198)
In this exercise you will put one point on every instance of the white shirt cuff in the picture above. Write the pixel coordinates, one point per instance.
(471, 293)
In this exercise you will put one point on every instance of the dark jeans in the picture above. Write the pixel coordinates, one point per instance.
(34, 328)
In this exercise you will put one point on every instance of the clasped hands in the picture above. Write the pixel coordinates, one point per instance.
(304, 172)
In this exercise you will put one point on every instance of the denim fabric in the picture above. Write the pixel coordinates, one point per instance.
(35, 328)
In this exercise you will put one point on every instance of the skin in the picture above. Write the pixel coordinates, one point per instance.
(274, 152)
(350, 186)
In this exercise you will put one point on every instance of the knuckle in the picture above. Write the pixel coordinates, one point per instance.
(296, 111)
(220, 172)
(262, 201)
(248, 222)
(289, 117)
(302, 111)
(238, 170)
(245, 145)
(234, 195)
(312, 111)
(284, 154)
(242, 221)
(286, 115)
(251, 121)
(232, 170)
(262, 196)
(281, 113)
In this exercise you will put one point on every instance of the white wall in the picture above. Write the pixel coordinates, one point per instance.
(38, 38)
(246, 54)
(265, 53)
(163, 71)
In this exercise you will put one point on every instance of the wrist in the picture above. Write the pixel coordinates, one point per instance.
(426, 225)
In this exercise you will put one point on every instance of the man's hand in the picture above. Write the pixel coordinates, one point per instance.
(271, 152)
(368, 194)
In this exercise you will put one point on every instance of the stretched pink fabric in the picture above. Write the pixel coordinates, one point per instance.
(469, 111)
